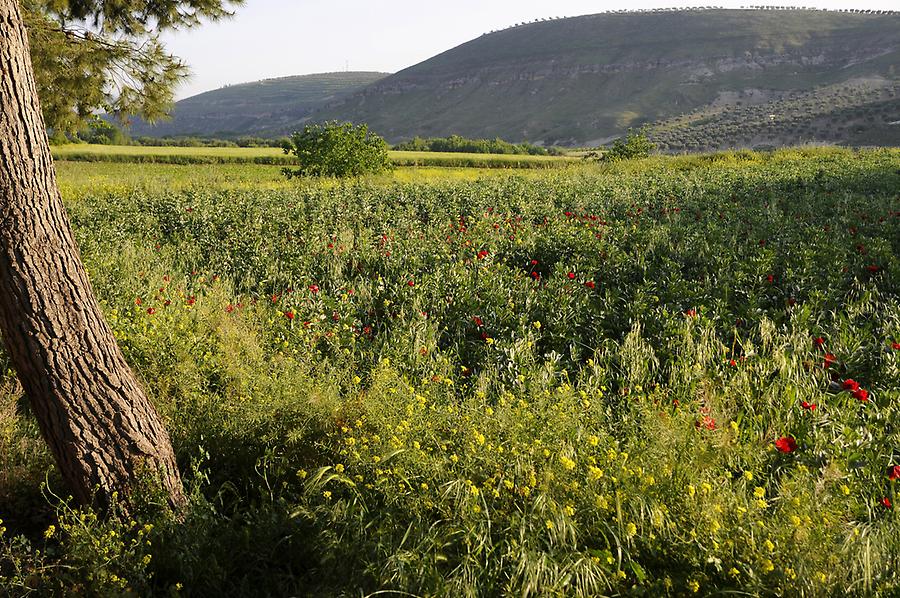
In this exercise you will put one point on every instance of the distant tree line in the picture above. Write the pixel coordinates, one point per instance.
(98, 131)
(456, 143)
(702, 8)
(207, 142)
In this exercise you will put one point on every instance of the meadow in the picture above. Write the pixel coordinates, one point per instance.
(671, 376)
(269, 155)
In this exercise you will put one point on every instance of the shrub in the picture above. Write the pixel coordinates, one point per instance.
(337, 150)
(635, 145)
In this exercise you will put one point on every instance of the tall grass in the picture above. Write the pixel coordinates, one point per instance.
(570, 384)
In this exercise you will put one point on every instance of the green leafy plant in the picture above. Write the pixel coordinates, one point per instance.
(636, 144)
(337, 150)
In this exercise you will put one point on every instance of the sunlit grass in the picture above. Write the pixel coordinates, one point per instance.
(637, 378)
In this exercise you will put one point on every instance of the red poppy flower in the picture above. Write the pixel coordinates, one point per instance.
(861, 394)
(886, 503)
(808, 406)
(590, 284)
(314, 288)
(191, 300)
(138, 301)
(770, 278)
(535, 275)
(873, 268)
(482, 254)
(830, 360)
(894, 473)
(168, 302)
(732, 363)
(478, 321)
(851, 384)
(151, 311)
(534, 262)
(818, 341)
(571, 275)
(289, 315)
(786, 444)
(410, 283)
(274, 298)
(707, 422)
(229, 308)
(895, 346)
(691, 313)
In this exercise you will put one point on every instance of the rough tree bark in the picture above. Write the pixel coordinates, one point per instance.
(99, 424)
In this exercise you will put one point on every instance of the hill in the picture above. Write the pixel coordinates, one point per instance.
(255, 108)
(585, 80)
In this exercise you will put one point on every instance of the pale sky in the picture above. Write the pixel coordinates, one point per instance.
(277, 38)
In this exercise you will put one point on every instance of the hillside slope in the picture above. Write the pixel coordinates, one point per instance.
(586, 79)
(255, 108)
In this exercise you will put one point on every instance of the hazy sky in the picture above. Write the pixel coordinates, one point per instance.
(276, 38)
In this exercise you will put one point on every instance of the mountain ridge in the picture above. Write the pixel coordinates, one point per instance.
(586, 78)
(255, 108)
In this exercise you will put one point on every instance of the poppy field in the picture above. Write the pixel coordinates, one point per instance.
(676, 376)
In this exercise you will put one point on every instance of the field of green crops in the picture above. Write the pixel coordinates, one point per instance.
(675, 376)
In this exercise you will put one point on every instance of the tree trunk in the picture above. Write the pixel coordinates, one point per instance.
(99, 424)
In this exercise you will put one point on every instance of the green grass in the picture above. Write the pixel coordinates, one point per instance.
(275, 156)
(77, 179)
(570, 383)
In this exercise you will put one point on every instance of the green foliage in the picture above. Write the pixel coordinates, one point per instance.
(415, 389)
(455, 143)
(636, 144)
(337, 149)
(102, 132)
(91, 55)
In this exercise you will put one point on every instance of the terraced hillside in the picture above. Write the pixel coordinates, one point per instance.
(585, 80)
(859, 112)
(255, 108)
